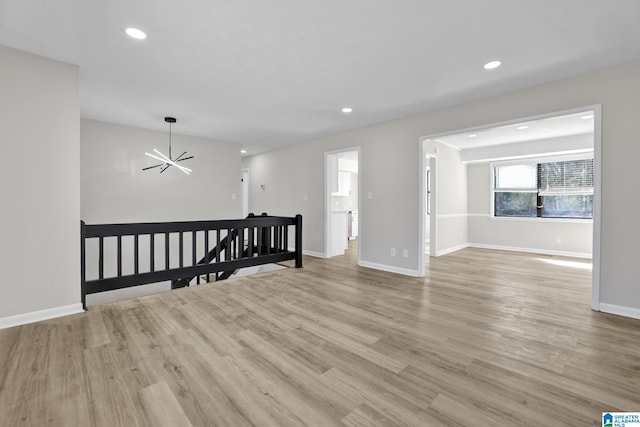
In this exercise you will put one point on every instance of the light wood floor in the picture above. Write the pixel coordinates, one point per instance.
(487, 338)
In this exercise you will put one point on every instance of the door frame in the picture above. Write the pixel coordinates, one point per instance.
(597, 190)
(244, 196)
(327, 200)
(431, 159)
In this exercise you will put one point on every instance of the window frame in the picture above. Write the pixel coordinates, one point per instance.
(528, 160)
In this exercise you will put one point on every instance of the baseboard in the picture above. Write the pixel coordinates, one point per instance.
(452, 249)
(37, 316)
(390, 269)
(620, 310)
(532, 251)
(310, 253)
(313, 254)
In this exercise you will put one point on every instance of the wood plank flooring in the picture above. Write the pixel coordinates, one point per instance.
(486, 338)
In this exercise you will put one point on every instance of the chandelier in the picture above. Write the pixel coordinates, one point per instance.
(168, 161)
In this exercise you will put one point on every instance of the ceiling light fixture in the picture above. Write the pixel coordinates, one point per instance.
(169, 161)
(522, 127)
(492, 65)
(135, 33)
(473, 135)
(347, 110)
(243, 151)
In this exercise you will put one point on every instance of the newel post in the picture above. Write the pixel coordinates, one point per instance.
(83, 278)
(298, 241)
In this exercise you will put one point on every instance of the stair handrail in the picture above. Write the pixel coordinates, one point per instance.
(275, 250)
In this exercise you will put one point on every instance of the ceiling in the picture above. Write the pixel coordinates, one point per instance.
(531, 130)
(266, 74)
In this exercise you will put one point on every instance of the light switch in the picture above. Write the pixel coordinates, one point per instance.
(369, 195)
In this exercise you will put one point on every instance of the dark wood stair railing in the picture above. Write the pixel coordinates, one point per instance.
(266, 243)
(258, 244)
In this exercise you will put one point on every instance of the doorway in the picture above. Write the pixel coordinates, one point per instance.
(428, 227)
(244, 179)
(342, 201)
(548, 147)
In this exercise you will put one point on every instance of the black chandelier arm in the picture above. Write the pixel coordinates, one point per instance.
(167, 165)
(154, 166)
(179, 157)
(182, 160)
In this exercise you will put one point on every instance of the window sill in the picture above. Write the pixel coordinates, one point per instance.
(531, 219)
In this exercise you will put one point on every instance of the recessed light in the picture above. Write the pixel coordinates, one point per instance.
(522, 127)
(473, 135)
(492, 64)
(243, 151)
(587, 117)
(136, 33)
(347, 109)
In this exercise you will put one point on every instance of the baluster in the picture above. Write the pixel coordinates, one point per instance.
(181, 250)
(136, 268)
(268, 243)
(119, 256)
(152, 252)
(166, 251)
(101, 258)
(286, 238)
(218, 245)
(206, 250)
(193, 253)
(274, 242)
(250, 242)
(206, 247)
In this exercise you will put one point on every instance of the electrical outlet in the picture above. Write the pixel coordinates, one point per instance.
(233, 196)
(393, 251)
(369, 195)
(405, 253)
(558, 240)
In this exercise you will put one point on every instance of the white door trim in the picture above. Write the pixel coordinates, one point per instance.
(327, 201)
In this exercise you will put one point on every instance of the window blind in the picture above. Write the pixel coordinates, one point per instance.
(566, 178)
(516, 177)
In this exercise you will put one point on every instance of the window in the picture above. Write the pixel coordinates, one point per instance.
(560, 189)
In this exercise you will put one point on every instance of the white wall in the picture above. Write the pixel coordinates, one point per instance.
(385, 221)
(293, 172)
(528, 234)
(389, 169)
(116, 189)
(40, 175)
(287, 176)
